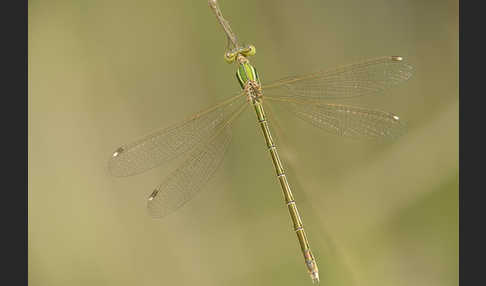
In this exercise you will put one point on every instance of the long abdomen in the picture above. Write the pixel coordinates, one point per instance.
(289, 198)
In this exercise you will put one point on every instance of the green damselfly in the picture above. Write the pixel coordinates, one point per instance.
(206, 136)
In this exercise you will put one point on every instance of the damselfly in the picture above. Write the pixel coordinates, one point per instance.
(206, 136)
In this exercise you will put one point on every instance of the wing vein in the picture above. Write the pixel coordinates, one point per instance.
(164, 145)
(365, 78)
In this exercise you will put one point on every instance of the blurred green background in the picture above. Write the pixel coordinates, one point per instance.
(103, 73)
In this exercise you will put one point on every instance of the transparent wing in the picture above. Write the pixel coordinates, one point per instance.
(184, 183)
(167, 144)
(344, 120)
(365, 78)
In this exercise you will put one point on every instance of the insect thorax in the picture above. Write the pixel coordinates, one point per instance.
(245, 73)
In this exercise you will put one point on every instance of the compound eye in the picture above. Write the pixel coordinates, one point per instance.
(229, 57)
(249, 51)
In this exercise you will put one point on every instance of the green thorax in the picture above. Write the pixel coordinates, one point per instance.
(245, 73)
